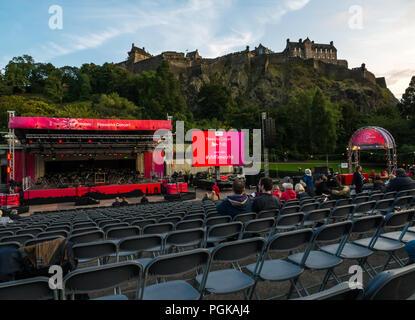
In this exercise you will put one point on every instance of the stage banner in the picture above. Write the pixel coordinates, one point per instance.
(87, 124)
(217, 148)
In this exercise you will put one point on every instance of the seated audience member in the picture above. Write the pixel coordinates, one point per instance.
(117, 202)
(321, 186)
(288, 193)
(401, 182)
(237, 203)
(277, 192)
(267, 200)
(214, 195)
(300, 191)
(340, 192)
(124, 202)
(144, 199)
(378, 183)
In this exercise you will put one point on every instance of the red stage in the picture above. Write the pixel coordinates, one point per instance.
(347, 179)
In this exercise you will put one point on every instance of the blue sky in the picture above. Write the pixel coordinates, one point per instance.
(101, 31)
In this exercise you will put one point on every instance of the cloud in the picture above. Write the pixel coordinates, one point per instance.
(209, 25)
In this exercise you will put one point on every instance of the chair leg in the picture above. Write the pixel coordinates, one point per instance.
(387, 262)
(397, 260)
(293, 286)
(302, 286)
(362, 265)
(325, 280)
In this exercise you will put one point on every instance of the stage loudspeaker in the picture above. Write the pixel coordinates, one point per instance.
(270, 133)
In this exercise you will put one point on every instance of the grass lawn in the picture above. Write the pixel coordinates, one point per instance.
(293, 166)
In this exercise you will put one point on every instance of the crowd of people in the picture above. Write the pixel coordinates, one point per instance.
(269, 196)
(84, 176)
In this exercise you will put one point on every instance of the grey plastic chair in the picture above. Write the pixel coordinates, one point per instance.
(320, 260)
(312, 218)
(383, 206)
(83, 230)
(281, 269)
(290, 209)
(12, 244)
(142, 223)
(189, 224)
(244, 217)
(363, 208)
(91, 236)
(341, 212)
(100, 278)
(61, 233)
(158, 228)
(272, 213)
(232, 280)
(86, 252)
(21, 238)
(396, 284)
(218, 220)
(288, 222)
(27, 289)
(4, 233)
(123, 232)
(380, 243)
(172, 265)
(184, 238)
(350, 250)
(131, 246)
(113, 226)
(32, 231)
(32, 242)
(258, 227)
(221, 232)
(327, 204)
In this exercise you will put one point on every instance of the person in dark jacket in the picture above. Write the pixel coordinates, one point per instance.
(236, 203)
(358, 179)
(117, 202)
(267, 200)
(321, 186)
(309, 181)
(401, 182)
(378, 183)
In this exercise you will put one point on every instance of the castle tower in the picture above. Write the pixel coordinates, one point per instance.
(137, 54)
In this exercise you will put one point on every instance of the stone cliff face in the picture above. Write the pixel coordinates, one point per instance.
(269, 80)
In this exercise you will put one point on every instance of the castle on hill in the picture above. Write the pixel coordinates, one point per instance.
(322, 56)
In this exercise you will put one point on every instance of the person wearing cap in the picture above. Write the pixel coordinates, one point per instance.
(309, 181)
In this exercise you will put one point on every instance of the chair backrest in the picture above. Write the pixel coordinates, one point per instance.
(317, 215)
(218, 220)
(62, 233)
(343, 202)
(269, 213)
(87, 237)
(108, 276)
(396, 284)
(12, 244)
(172, 219)
(398, 219)
(328, 204)
(238, 250)
(183, 237)
(143, 223)
(123, 232)
(82, 230)
(194, 216)
(102, 224)
(81, 225)
(225, 230)
(360, 199)
(158, 228)
(332, 232)
(115, 225)
(364, 207)
(376, 196)
(21, 238)
(290, 209)
(140, 243)
(366, 224)
(289, 220)
(4, 233)
(259, 225)
(175, 264)
(27, 289)
(403, 193)
(58, 227)
(390, 195)
(309, 207)
(244, 217)
(339, 212)
(189, 224)
(94, 249)
(290, 240)
(33, 231)
(32, 242)
(384, 204)
(402, 201)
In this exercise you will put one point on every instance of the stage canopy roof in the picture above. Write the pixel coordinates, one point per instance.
(369, 138)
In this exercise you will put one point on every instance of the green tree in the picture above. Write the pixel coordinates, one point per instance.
(114, 106)
(53, 86)
(213, 101)
(407, 104)
(84, 87)
(18, 72)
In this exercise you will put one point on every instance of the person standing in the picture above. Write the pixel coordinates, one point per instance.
(358, 179)
(309, 181)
